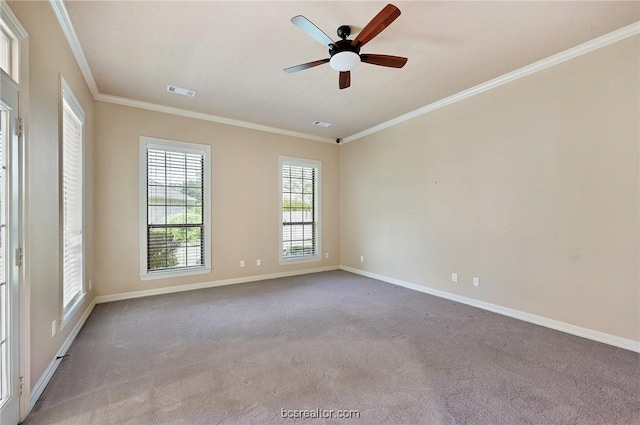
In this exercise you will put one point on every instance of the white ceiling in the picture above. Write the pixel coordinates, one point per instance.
(232, 53)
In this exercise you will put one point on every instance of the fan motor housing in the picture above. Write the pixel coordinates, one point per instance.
(343, 46)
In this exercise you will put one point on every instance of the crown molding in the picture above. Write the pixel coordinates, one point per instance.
(581, 49)
(67, 27)
(11, 21)
(206, 117)
(584, 48)
(74, 43)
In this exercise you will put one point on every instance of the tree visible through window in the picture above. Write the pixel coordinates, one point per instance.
(175, 206)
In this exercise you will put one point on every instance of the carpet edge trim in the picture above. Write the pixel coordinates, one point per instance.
(209, 284)
(38, 389)
(616, 341)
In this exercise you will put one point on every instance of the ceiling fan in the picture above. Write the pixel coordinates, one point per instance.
(344, 54)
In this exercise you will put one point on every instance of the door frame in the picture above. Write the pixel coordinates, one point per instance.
(24, 293)
(11, 151)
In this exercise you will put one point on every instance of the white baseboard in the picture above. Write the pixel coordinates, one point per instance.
(53, 365)
(36, 392)
(616, 341)
(627, 344)
(202, 285)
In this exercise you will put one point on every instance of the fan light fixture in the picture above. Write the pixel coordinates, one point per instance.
(344, 61)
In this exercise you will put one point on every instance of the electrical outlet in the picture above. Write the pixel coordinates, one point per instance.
(476, 281)
(362, 258)
(454, 277)
(326, 255)
(54, 328)
(242, 264)
(258, 262)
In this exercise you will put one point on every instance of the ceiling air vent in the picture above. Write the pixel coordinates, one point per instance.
(178, 90)
(322, 124)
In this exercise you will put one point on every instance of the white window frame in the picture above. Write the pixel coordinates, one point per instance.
(13, 31)
(287, 160)
(152, 142)
(67, 96)
(4, 35)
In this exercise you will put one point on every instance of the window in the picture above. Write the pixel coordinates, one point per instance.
(174, 208)
(300, 209)
(72, 202)
(5, 51)
(9, 28)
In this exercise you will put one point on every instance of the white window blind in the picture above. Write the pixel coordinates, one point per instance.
(72, 201)
(176, 207)
(300, 180)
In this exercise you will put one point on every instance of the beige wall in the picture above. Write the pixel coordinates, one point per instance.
(245, 196)
(49, 57)
(533, 187)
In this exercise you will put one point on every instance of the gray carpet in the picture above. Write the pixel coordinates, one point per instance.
(240, 354)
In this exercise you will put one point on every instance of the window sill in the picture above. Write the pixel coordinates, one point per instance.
(174, 273)
(71, 310)
(310, 259)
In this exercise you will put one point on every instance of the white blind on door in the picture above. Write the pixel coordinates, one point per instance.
(72, 204)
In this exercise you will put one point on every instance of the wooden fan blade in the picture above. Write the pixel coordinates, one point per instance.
(305, 65)
(382, 20)
(309, 27)
(384, 60)
(345, 79)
